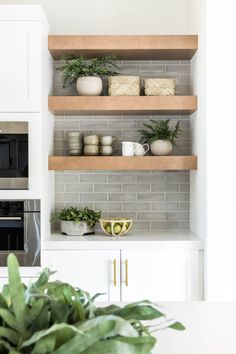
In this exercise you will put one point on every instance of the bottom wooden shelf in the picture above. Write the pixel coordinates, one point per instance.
(122, 163)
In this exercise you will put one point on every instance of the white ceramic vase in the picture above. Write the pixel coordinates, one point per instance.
(71, 228)
(89, 86)
(161, 147)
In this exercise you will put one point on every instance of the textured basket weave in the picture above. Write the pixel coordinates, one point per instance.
(159, 87)
(114, 80)
(124, 90)
(124, 86)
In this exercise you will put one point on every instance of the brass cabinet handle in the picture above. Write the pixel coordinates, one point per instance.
(126, 272)
(114, 272)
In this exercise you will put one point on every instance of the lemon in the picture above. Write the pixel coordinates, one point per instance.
(117, 228)
(108, 228)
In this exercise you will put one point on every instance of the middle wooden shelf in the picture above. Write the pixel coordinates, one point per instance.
(170, 163)
(119, 105)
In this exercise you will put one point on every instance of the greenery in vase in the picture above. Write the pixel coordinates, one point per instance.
(56, 318)
(159, 130)
(75, 67)
(89, 216)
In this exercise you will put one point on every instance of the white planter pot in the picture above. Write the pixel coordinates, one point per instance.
(161, 147)
(72, 228)
(89, 86)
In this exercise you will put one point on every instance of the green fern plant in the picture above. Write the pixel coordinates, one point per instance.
(75, 67)
(159, 130)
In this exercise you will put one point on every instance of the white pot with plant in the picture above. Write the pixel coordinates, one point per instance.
(87, 73)
(78, 222)
(160, 136)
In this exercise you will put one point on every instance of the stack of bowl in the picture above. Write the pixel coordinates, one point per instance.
(91, 145)
(75, 143)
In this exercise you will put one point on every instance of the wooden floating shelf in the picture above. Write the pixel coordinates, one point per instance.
(161, 47)
(122, 163)
(117, 105)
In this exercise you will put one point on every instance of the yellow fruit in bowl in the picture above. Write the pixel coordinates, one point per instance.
(108, 228)
(117, 228)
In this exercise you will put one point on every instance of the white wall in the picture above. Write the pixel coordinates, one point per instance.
(221, 151)
(114, 16)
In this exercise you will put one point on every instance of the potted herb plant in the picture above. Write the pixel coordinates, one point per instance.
(87, 73)
(78, 222)
(56, 318)
(160, 136)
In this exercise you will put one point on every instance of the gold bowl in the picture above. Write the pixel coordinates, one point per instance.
(116, 226)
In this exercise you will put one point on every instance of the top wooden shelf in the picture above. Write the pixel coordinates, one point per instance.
(161, 47)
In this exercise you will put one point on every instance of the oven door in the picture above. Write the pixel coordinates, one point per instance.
(13, 161)
(12, 233)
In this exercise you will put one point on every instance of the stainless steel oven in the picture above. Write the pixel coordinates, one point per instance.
(14, 155)
(20, 231)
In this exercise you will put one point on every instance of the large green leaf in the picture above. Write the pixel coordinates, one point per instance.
(84, 340)
(3, 303)
(45, 345)
(16, 289)
(121, 327)
(139, 313)
(9, 334)
(4, 346)
(108, 310)
(62, 330)
(9, 319)
(121, 345)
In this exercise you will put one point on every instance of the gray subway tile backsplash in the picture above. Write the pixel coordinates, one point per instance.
(156, 200)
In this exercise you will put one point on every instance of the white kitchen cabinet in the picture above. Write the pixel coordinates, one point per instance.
(20, 65)
(96, 271)
(159, 275)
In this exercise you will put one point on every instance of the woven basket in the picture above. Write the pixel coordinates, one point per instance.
(159, 87)
(124, 86)
(114, 80)
(124, 90)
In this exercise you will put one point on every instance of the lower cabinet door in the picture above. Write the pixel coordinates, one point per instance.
(163, 275)
(95, 271)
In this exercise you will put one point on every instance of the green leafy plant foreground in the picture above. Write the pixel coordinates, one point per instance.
(56, 318)
(159, 130)
(75, 67)
(89, 216)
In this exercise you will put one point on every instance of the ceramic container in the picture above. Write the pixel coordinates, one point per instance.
(140, 150)
(108, 140)
(91, 140)
(127, 148)
(91, 150)
(161, 147)
(71, 228)
(106, 150)
(89, 86)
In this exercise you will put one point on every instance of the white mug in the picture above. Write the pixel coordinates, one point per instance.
(127, 148)
(139, 149)
(106, 150)
(108, 140)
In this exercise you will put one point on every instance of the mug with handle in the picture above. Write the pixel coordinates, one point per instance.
(139, 149)
(127, 148)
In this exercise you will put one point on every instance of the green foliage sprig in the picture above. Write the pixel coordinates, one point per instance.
(56, 318)
(74, 67)
(89, 216)
(159, 130)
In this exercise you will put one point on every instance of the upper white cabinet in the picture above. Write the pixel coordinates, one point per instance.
(20, 66)
(22, 31)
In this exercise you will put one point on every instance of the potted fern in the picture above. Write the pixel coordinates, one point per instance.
(77, 222)
(87, 73)
(56, 318)
(160, 136)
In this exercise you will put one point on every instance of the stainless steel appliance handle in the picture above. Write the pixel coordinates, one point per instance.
(10, 217)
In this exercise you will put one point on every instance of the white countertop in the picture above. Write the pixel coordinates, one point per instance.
(183, 239)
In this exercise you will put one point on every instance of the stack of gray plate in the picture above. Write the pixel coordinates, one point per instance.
(75, 143)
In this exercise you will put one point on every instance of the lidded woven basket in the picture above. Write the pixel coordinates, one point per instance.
(124, 86)
(159, 87)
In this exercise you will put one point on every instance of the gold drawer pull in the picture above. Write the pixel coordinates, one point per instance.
(126, 273)
(114, 271)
